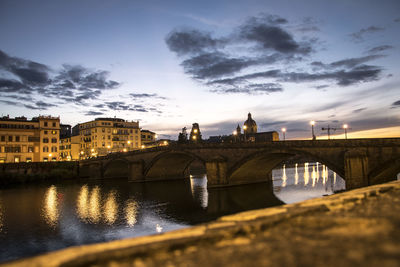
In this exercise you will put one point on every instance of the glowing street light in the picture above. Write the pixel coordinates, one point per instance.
(245, 131)
(312, 129)
(129, 142)
(165, 143)
(194, 137)
(345, 127)
(284, 133)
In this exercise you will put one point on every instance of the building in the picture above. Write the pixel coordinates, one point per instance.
(147, 137)
(250, 125)
(23, 140)
(107, 135)
(65, 131)
(70, 148)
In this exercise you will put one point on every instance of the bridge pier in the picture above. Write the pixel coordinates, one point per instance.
(216, 173)
(136, 171)
(356, 169)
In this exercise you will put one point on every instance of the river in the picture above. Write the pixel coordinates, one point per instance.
(38, 218)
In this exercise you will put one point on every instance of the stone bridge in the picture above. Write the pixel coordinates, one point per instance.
(360, 162)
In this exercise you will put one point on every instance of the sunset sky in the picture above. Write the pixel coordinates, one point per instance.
(169, 64)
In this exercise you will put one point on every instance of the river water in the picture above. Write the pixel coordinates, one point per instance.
(44, 217)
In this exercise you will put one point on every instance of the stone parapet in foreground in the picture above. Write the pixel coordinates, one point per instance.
(356, 228)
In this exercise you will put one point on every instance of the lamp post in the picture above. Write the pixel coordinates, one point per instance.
(312, 129)
(234, 135)
(284, 133)
(345, 127)
(245, 130)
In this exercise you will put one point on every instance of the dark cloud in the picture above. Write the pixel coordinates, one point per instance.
(359, 110)
(93, 113)
(271, 36)
(145, 95)
(320, 87)
(265, 41)
(250, 89)
(352, 62)
(345, 63)
(356, 75)
(378, 49)
(397, 20)
(190, 41)
(71, 84)
(396, 104)
(39, 105)
(359, 36)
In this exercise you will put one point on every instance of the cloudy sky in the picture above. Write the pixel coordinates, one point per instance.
(169, 64)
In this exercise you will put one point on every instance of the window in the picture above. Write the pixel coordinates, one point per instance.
(45, 140)
(10, 138)
(45, 149)
(46, 132)
(30, 149)
(17, 138)
(54, 132)
(53, 149)
(45, 159)
(45, 124)
(54, 140)
(3, 138)
(131, 131)
(103, 130)
(54, 124)
(28, 159)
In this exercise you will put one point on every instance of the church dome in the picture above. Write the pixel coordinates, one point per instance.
(250, 125)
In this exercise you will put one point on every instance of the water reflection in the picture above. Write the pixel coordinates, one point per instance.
(284, 177)
(198, 187)
(131, 212)
(95, 205)
(316, 180)
(306, 174)
(99, 211)
(50, 206)
(82, 203)
(110, 209)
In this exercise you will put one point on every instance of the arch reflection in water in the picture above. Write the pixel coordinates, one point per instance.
(50, 207)
(110, 208)
(131, 212)
(318, 181)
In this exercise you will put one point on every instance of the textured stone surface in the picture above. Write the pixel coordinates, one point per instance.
(355, 228)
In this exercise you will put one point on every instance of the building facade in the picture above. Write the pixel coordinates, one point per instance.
(23, 140)
(107, 135)
(147, 137)
(70, 148)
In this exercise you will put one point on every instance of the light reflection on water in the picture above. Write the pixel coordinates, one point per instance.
(50, 206)
(49, 217)
(303, 181)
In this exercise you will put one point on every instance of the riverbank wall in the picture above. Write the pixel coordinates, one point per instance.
(28, 172)
(355, 228)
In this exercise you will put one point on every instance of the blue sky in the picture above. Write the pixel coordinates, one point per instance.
(172, 63)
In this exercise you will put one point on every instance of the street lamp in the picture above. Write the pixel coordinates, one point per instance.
(312, 129)
(345, 127)
(244, 130)
(284, 133)
(234, 135)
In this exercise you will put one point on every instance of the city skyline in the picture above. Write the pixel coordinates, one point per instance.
(170, 65)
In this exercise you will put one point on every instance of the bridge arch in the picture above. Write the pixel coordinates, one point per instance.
(116, 168)
(170, 165)
(257, 166)
(384, 172)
